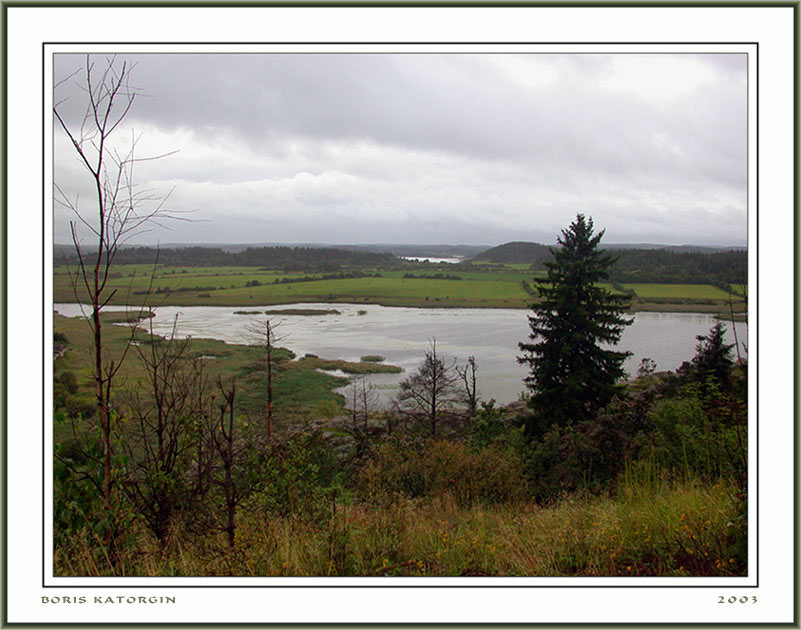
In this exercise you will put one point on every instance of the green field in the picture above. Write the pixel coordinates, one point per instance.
(691, 291)
(458, 287)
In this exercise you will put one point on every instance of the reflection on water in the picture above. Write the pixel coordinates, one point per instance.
(402, 335)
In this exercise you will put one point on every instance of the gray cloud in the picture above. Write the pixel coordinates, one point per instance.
(438, 148)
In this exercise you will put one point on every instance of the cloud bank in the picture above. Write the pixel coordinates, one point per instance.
(432, 148)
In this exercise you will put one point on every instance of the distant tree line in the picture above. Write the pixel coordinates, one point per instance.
(642, 265)
(327, 276)
(431, 276)
(279, 257)
(658, 265)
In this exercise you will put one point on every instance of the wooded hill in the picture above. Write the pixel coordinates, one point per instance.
(641, 265)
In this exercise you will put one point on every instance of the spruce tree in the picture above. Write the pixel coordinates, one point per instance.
(712, 358)
(572, 374)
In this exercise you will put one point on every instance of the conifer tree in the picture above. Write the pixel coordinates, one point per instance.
(712, 358)
(573, 371)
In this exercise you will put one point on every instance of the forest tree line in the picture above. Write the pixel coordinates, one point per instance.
(642, 265)
(278, 257)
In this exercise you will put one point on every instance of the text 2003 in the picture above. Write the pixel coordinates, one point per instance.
(734, 599)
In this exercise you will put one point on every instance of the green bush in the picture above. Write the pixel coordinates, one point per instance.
(78, 509)
(680, 425)
(68, 398)
(699, 434)
(488, 426)
(296, 476)
(435, 468)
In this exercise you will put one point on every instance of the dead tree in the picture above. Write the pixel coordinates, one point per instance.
(429, 391)
(121, 211)
(222, 438)
(469, 381)
(263, 331)
(362, 401)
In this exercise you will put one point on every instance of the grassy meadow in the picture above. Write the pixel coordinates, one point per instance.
(489, 286)
(463, 504)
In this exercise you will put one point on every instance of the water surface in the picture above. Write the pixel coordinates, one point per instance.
(402, 335)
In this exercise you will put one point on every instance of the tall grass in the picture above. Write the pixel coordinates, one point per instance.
(657, 528)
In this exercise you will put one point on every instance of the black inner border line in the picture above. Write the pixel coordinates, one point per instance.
(417, 4)
(756, 300)
(4, 315)
(449, 44)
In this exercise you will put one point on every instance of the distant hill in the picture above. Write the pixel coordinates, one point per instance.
(515, 252)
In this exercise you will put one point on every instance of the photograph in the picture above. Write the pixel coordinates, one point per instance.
(492, 324)
(400, 315)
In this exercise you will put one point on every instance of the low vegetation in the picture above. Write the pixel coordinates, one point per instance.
(680, 529)
(244, 460)
(654, 484)
(303, 311)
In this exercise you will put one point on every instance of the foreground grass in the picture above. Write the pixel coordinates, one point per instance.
(662, 529)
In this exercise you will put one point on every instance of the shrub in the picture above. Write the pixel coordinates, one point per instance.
(293, 477)
(488, 427)
(700, 432)
(436, 468)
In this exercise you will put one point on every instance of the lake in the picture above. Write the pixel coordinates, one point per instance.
(402, 336)
(430, 259)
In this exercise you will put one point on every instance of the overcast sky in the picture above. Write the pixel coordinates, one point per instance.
(431, 148)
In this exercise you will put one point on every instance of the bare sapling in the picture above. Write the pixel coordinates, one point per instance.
(362, 401)
(158, 434)
(121, 211)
